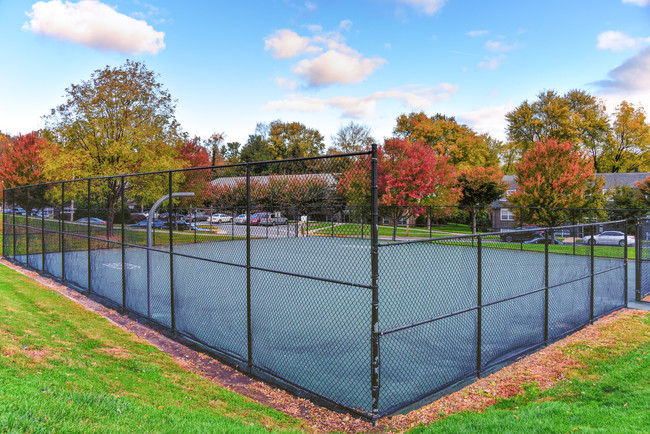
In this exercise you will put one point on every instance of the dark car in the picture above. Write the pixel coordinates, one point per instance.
(522, 234)
(542, 240)
(156, 224)
(179, 225)
(175, 216)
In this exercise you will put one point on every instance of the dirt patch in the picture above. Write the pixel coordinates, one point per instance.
(40, 355)
(117, 352)
(545, 367)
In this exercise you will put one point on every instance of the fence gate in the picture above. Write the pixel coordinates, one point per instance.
(643, 259)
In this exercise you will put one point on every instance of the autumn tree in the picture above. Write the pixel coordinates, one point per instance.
(644, 191)
(352, 137)
(459, 143)
(214, 145)
(479, 187)
(192, 154)
(553, 177)
(575, 116)
(21, 163)
(628, 147)
(119, 121)
(294, 140)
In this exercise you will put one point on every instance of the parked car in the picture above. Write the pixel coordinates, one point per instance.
(522, 234)
(18, 211)
(179, 225)
(542, 240)
(219, 218)
(198, 217)
(240, 219)
(272, 219)
(609, 238)
(136, 217)
(175, 216)
(93, 221)
(256, 218)
(156, 224)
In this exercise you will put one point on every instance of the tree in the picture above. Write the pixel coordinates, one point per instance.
(294, 140)
(479, 187)
(192, 154)
(626, 202)
(230, 151)
(575, 116)
(553, 177)
(21, 163)
(462, 145)
(213, 143)
(644, 191)
(629, 144)
(120, 121)
(351, 138)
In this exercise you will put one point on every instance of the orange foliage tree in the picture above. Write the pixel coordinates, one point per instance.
(557, 182)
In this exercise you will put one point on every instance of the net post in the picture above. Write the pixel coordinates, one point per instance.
(479, 301)
(248, 269)
(122, 185)
(546, 299)
(171, 255)
(89, 233)
(374, 257)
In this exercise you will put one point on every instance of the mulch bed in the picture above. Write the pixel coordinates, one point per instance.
(545, 367)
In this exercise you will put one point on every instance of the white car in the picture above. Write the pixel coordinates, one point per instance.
(609, 238)
(219, 218)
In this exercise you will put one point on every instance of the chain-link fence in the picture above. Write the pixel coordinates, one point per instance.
(294, 272)
(643, 259)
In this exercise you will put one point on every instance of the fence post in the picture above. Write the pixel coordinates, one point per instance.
(374, 258)
(637, 259)
(592, 243)
(479, 335)
(625, 263)
(42, 232)
(27, 211)
(89, 231)
(123, 184)
(248, 268)
(13, 222)
(546, 239)
(171, 254)
(62, 231)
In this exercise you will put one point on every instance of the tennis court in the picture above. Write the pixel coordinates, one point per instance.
(310, 301)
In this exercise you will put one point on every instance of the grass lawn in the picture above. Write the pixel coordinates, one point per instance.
(65, 369)
(610, 393)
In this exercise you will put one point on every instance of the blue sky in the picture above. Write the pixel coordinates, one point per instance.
(231, 64)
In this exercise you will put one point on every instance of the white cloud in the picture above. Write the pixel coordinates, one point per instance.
(335, 67)
(413, 97)
(497, 46)
(618, 41)
(285, 83)
(345, 25)
(491, 120)
(638, 2)
(474, 33)
(429, 7)
(286, 44)
(633, 75)
(94, 24)
(491, 64)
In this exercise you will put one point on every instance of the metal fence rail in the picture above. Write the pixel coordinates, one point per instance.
(277, 271)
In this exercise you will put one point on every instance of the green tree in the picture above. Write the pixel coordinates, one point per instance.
(119, 121)
(626, 202)
(480, 186)
(294, 140)
(213, 145)
(576, 116)
(231, 152)
(629, 144)
(351, 138)
(444, 135)
(552, 179)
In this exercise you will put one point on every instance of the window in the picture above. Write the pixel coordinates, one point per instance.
(507, 215)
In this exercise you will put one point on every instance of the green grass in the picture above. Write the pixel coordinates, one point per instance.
(611, 394)
(64, 369)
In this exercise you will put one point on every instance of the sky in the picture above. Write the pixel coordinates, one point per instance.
(325, 63)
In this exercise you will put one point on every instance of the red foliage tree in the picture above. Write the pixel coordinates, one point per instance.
(192, 154)
(21, 163)
(556, 180)
(644, 190)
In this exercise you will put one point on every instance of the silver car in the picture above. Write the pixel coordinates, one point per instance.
(609, 238)
(219, 218)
